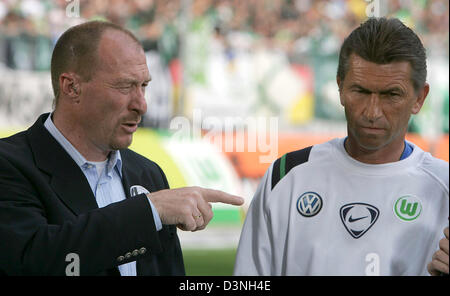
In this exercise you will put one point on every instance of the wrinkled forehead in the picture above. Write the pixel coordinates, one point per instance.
(369, 72)
(119, 52)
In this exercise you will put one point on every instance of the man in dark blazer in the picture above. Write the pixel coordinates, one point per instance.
(73, 198)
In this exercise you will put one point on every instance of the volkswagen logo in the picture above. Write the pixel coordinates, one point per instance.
(309, 204)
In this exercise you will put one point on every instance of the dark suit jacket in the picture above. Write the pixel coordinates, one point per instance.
(48, 210)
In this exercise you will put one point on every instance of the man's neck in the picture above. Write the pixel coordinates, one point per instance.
(389, 153)
(77, 137)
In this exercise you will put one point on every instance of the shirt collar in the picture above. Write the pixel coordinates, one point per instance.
(115, 159)
(407, 150)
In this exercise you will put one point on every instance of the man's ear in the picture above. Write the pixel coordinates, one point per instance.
(420, 98)
(69, 85)
(338, 81)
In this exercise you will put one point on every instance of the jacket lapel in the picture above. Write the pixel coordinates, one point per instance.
(67, 179)
(133, 175)
(130, 176)
(126, 182)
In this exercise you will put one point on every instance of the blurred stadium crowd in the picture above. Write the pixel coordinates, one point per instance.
(29, 28)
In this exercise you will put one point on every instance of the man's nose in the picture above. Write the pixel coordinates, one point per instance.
(373, 110)
(138, 102)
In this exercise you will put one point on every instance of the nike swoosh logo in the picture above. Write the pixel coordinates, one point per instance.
(356, 219)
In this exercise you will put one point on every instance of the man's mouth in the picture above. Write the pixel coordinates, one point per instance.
(130, 127)
(371, 129)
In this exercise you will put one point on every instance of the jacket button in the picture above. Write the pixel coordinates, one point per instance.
(128, 255)
(142, 250)
(120, 258)
(135, 253)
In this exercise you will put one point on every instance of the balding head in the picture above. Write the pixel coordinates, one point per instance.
(77, 51)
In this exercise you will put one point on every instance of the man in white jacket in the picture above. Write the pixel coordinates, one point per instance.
(371, 203)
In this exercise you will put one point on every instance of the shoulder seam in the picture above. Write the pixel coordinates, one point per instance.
(436, 178)
(288, 161)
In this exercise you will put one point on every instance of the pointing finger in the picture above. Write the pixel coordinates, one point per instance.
(212, 195)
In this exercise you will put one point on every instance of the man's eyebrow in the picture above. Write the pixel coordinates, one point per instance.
(360, 87)
(383, 92)
(392, 89)
(125, 80)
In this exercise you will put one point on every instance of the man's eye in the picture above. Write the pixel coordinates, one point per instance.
(391, 94)
(362, 91)
(124, 89)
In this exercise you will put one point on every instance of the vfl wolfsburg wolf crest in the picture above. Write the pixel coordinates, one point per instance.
(407, 208)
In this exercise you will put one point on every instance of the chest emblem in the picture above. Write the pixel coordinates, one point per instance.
(407, 208)
(137, 189)
(358, 218)
(309, 204)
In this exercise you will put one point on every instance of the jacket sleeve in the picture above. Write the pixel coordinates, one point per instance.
(255, 249)
(30, 245)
